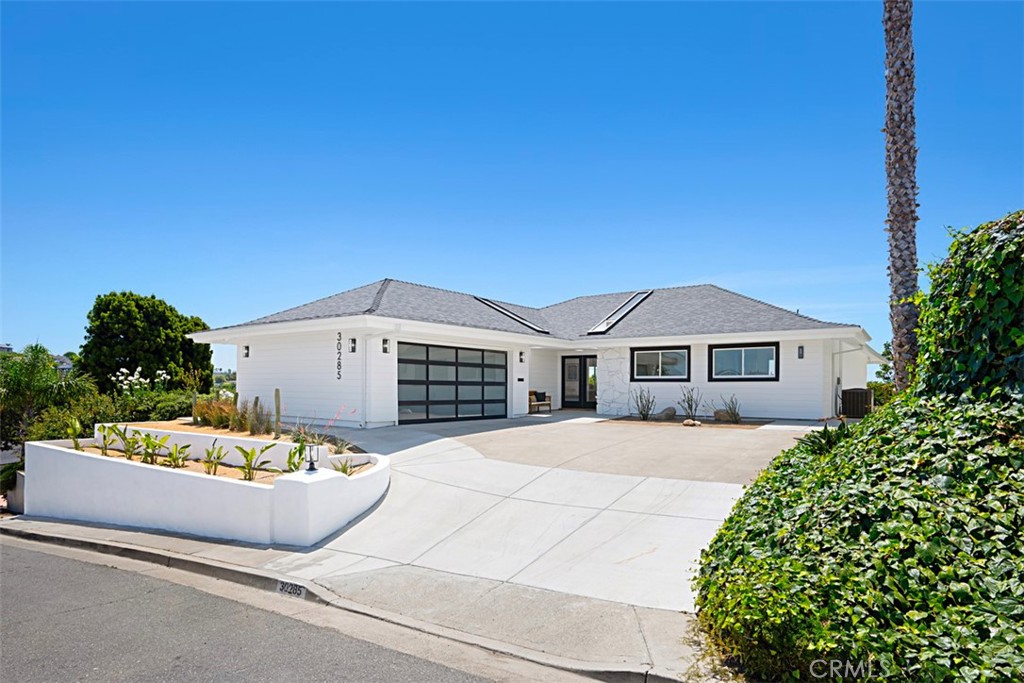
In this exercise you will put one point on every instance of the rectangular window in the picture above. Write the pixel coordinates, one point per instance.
(671, 364)
(743, 362)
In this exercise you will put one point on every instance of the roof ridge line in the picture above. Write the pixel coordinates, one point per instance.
(650, 289)
(455, 291)
(378, 298)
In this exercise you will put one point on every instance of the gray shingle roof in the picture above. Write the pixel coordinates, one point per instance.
(676, 311)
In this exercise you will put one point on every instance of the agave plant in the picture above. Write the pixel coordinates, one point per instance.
(343, 466)
(177, 456)
(251, 464)
(214, 456)
(151, 447)
(823, 441)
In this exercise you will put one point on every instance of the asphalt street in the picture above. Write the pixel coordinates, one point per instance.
(66, 620)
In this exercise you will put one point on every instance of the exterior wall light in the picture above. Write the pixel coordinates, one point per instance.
(245, 351)
(800, 351)
(351, 344)
(522, 356)
(385, 345)
(312, 456)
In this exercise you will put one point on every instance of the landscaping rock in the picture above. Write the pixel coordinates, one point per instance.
(667, 414)
(721, 416)
(691, 423)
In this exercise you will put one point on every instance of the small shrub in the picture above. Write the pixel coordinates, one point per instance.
(820, 442)
(108, 436)
(213, 412)
(260, 419)
(239, 418)
(691, 402)
(214, 457)
(296, 455)
(251, 464)
(177, 456)
(344, 466)
(152, 447)
(883, 392)
(130, 443)
(171, 406)
(73, 429)
(644, 402)
(341, 445)
(730, 407)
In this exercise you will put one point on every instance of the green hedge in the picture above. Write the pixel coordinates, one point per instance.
(900, 547)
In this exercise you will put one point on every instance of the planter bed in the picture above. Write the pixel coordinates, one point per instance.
(298, 508)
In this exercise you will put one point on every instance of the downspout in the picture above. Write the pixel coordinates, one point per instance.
(366, 380)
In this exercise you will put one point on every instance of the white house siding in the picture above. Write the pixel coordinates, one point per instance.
(304, 367)
(800, 392)
(382, 387)
(545, 374)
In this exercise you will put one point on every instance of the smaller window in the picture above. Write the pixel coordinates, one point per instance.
(743, 363)
(665, 365)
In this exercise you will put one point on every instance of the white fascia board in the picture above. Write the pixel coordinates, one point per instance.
(732, 337)
(354, 324)
(455, 334)
(377, 325)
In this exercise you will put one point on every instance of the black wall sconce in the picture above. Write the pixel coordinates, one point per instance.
(245, 351)
(351, 344)
(385, 345)
(522, 356)
(800, 351)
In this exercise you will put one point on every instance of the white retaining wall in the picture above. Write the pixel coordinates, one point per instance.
(298, 509)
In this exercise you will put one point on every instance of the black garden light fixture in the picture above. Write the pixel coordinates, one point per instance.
(312, 456)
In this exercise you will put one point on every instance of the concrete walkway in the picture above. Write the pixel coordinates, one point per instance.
(537, 546)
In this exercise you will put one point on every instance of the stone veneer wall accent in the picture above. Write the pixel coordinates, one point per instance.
(613, 381)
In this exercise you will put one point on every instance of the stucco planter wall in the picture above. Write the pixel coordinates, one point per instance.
(298, 509)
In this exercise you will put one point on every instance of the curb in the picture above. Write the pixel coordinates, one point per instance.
(317, 594)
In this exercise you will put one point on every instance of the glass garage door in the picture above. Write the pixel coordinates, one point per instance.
(447, 383)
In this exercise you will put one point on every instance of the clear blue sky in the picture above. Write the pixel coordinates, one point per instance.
(237, 159)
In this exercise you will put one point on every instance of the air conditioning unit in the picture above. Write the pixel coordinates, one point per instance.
(858, 402)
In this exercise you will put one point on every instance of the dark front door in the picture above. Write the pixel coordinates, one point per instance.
(579, 381)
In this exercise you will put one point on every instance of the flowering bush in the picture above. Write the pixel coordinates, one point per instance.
(129, 383)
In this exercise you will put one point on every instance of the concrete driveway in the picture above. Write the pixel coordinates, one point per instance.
(573, 504)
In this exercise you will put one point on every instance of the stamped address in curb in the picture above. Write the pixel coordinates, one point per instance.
(293, 589)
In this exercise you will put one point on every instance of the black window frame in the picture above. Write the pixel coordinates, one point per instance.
(455, 403)
(682, 347)
(741, 378)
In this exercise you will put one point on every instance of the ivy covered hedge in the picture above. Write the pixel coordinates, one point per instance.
(901, 546)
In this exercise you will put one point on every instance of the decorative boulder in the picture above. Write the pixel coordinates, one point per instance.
(667, 414)
(722, 416)
(691, 423)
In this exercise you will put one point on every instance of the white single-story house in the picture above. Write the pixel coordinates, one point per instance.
(394, 352)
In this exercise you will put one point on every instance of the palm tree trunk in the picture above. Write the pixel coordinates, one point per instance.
(901, 171)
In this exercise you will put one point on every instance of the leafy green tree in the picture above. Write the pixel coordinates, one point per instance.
(885, 373)
(30, 383)
(128, 330)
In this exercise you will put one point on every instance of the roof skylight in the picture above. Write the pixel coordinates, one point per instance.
(518, 318)
(619, 313)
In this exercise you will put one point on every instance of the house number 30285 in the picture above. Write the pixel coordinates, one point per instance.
(339, 354)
